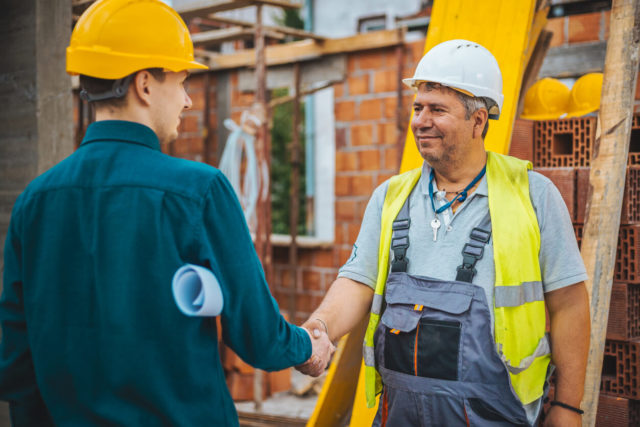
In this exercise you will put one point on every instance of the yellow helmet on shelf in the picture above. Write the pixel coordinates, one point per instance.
(585, 95)
(115, 38)
(546, 99)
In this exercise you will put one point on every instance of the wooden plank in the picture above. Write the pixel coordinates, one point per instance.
(205, 7)
(304, 50)
(571, 61)
(533, 68)
(607, 179)
(215, 37)
(284, 30)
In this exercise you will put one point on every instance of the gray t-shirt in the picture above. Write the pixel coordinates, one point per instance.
(560, 261)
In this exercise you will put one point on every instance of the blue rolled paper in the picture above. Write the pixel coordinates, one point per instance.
(197, 291)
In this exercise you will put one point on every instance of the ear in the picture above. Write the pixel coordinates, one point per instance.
(141, 86)
(479, 119)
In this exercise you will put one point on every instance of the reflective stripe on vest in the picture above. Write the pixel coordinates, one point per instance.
(519, 312)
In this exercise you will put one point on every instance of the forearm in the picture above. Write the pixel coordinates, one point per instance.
(345, 304)
(570, 333)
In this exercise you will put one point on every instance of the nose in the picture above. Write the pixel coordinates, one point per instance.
(187, 101)
(422, 119)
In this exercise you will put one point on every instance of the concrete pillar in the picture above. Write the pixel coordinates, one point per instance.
(36, 112)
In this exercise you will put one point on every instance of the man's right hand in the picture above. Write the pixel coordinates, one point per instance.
(322, 350)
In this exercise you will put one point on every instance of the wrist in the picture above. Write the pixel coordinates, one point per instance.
(567, 407)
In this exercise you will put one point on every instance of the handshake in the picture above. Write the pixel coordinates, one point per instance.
(322, 348)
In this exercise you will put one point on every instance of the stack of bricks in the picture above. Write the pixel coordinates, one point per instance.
(561, 150)
(240, 375)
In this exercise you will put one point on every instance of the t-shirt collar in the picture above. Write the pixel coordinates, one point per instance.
(481, 189)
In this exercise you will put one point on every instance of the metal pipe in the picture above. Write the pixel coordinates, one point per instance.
(294, 211)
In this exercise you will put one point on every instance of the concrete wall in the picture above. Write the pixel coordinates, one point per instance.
(36, 126)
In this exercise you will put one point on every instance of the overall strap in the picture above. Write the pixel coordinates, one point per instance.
(400, 239)
(473, 251)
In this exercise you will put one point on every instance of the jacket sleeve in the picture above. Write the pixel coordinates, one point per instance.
(17, 375)
(251, 321)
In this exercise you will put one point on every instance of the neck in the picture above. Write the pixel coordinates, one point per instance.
(461, 174)
(124, 113)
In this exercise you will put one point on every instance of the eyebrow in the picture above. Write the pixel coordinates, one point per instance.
(429, 104)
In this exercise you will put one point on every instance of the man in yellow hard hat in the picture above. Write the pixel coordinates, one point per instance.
(454, 263)
(91, 334)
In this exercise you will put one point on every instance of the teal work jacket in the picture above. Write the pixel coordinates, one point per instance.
(90, 330)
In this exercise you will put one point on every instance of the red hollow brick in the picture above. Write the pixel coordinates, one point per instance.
(323, 258)
(362, 185)
(566, 142)
(372, 60)
(389, 106)
(522, 140)
(565, 181)
(385, 81)
(369, 159)
(358, 85)
(338, 90)
(343, 185)
(388, 133)
(345, 111)
(346, 161)
(621, 369)
(370, 109)
(311, 280)
(617, 411)
(624, 312)
(634, 142)
(362, 135)
(630, 212)
(584, 27)
(345, 210)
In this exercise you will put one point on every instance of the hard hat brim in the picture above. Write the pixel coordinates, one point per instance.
(92, 63)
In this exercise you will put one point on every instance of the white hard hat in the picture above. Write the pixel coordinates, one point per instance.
(464, 66)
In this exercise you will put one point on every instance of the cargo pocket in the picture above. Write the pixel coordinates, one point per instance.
(400, 327)
(482, 413)
(438, 349)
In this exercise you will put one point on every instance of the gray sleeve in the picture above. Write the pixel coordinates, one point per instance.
(560, 261)
(362, 265)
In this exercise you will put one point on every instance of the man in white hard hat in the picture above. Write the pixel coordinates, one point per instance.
(91, 335)
(455, 262)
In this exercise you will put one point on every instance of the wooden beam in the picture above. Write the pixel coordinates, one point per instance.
(573, 61)
(203, 8)
(215, 37)
(305, 50)
(533, 67)
(284, 30)
(606, 182)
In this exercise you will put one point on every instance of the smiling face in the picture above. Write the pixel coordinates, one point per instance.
(168, 100)
(442, 132)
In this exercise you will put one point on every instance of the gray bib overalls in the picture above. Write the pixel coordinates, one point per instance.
(434, 347)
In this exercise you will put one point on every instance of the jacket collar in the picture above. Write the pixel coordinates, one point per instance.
(121, 131)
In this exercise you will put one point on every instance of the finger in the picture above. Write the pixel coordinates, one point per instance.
(317, 333)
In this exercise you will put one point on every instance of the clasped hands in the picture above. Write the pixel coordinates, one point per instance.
(322, 349)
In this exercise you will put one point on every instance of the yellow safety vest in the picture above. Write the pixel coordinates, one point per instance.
(519, 311)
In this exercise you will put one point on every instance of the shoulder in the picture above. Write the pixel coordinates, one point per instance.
(188, 177)
(539, 187)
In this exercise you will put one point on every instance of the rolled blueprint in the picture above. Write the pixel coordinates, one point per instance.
(197, 291)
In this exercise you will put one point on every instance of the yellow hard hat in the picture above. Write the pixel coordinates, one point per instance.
(115, 38)
(585, 95)
(547, 99)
